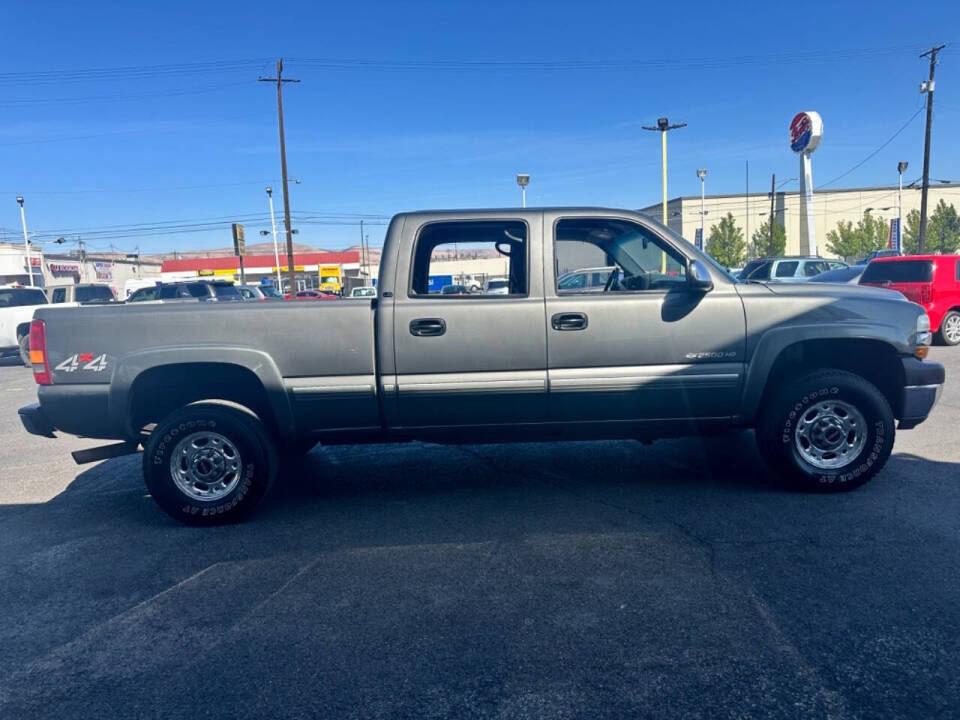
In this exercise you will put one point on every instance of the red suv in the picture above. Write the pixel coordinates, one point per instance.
(929, 280)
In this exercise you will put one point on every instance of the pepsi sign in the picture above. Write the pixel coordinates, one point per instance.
(806, 129)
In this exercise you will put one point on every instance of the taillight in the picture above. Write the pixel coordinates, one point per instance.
(38, 353)
(925, 293)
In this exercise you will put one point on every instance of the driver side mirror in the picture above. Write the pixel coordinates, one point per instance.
(698, 277)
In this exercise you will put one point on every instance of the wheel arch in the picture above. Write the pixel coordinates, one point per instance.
(876, 359)
(146, 387)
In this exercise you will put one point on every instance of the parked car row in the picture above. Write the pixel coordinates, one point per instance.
(932, 281)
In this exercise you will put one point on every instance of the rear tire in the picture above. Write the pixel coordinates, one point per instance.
(826, 431)
(949, 333)
(208, 464)
(24, 343)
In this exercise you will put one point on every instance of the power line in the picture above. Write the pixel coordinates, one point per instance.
(601, 65)
(868, 157)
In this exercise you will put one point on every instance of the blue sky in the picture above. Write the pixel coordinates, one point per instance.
(449, 110)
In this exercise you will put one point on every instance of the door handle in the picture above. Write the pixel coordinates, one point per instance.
(569, 321)
(428, 327)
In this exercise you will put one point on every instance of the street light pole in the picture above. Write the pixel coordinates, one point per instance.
(523, 180)
(702, 174)
(276, 248)
(901, 167)
(26, 240)
(663, 127)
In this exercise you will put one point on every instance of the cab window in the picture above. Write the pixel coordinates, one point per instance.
(633, 258)
(440, 246)
(786, 269)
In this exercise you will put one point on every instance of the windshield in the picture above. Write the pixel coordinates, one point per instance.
(497, 284)
(270, 291)
(17, 297)
(898, 271)
(94, 293)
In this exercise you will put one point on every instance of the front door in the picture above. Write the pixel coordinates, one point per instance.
(474, 359)
(645, 347)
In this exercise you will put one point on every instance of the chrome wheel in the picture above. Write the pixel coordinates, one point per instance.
(206, 466)
(951, 328)
(830, 434)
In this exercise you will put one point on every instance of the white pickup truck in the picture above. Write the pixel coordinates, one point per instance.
(16, 311)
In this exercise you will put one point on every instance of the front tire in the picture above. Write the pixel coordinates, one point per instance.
(208, 464)
(24, 343)
(826, 431)
(949, 333)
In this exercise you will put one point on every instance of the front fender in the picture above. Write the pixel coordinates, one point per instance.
(127, 368)
(776, 340)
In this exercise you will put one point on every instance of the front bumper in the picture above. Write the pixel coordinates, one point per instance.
(922, 388)
(35, 421)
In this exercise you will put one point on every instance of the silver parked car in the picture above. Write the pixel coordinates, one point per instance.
(589, 280)
(788, 268)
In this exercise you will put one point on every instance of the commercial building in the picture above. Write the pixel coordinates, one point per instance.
(50, 270)
(829, 208)
(257, 268)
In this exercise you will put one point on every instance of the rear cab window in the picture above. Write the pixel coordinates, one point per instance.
(898, 271)
(441, 245)
(94, 293)
(18, 297)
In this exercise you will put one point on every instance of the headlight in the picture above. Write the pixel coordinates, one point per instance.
(922, 336)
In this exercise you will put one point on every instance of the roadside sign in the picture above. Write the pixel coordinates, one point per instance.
(806, 130)
(239, 245)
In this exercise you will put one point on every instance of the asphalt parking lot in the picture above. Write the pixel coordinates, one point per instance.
(605, 579)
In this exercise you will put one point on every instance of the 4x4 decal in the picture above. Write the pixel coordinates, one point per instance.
(83, 361)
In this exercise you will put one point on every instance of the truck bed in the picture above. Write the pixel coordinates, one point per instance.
(315, 360)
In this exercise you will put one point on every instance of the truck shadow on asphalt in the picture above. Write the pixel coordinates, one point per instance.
(311, 490)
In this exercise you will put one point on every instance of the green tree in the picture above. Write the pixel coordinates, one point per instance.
(762, 245)
(855, 241)
(910, 232)
(726, 244)
(943, 231)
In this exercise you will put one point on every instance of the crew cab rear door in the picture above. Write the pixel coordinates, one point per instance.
(648, 346)
(477, 359)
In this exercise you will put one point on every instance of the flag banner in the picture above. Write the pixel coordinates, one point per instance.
(698, 238)
(894, 240)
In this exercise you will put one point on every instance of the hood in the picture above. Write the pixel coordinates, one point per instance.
(831, 290)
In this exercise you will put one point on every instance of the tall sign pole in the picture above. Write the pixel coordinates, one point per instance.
(806, 131)
(280, 80)
(927, 87)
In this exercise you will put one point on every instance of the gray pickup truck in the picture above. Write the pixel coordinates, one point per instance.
(672, 346)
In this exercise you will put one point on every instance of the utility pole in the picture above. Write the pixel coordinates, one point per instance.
(280, 80)
(663, 127)
(773, 197)
(363, 253)
(927, 87)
